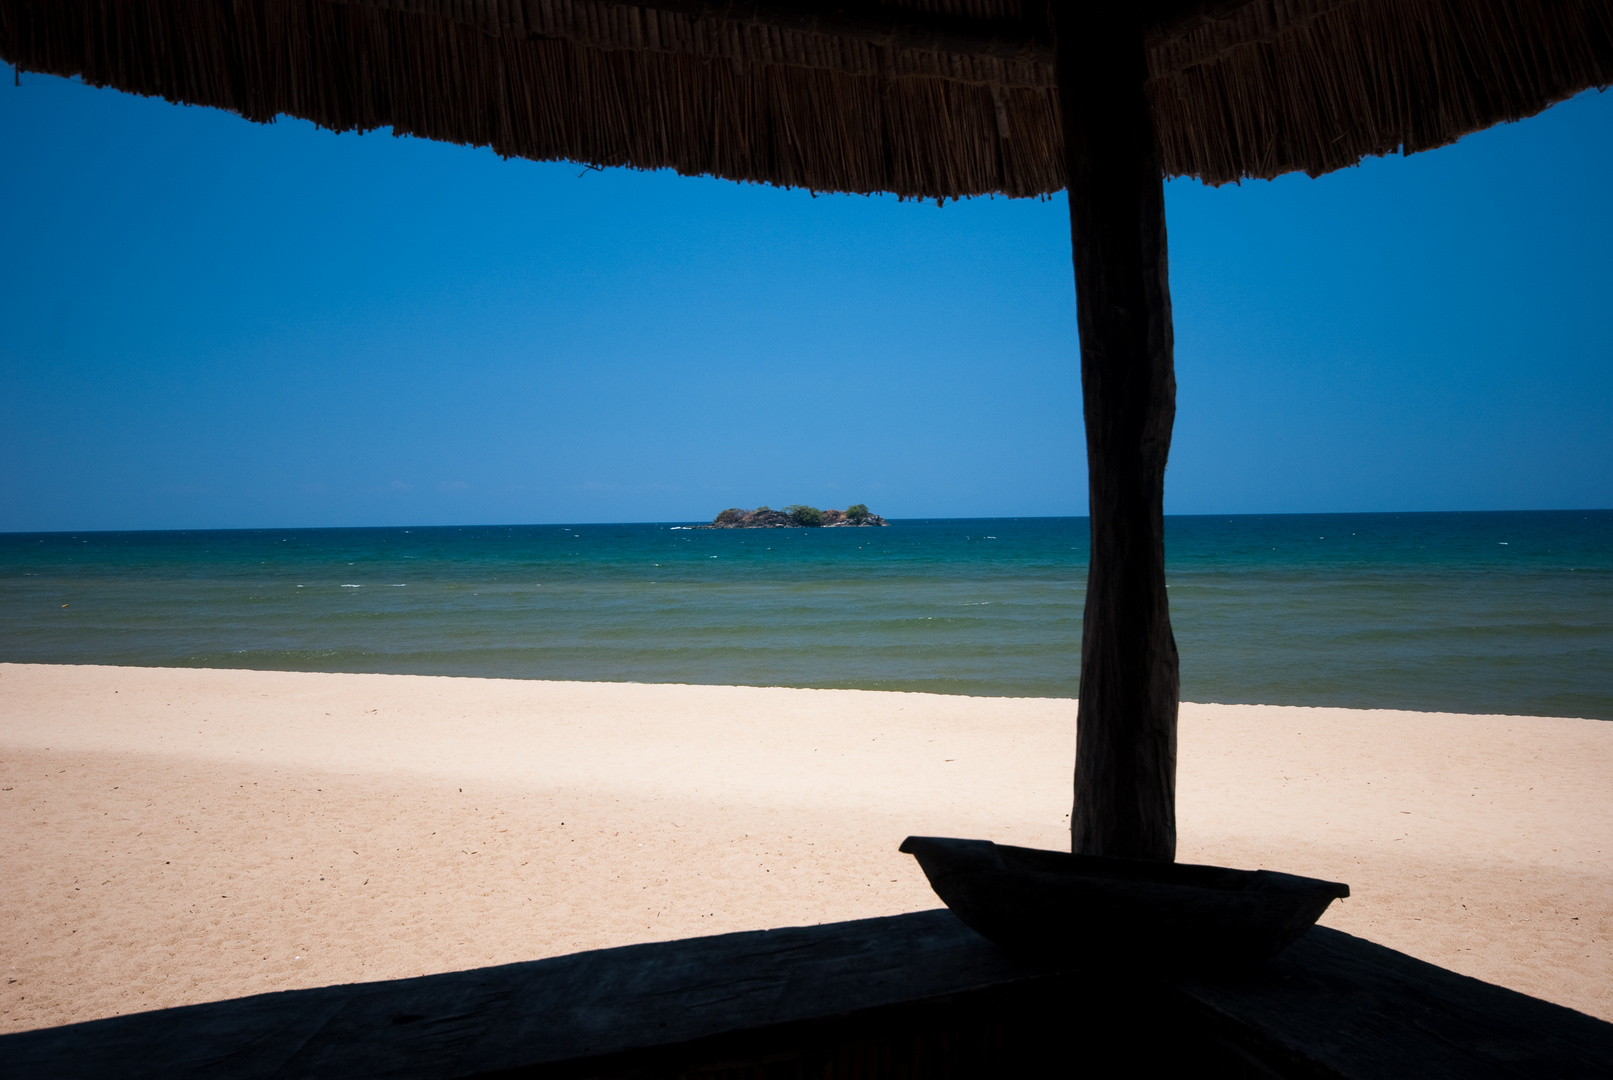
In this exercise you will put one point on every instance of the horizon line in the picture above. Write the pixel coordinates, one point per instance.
(705, 521)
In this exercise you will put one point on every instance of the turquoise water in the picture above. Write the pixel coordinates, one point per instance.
(1477, 612)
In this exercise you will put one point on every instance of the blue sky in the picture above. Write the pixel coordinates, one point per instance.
(210, 323)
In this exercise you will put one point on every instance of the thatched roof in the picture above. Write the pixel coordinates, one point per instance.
(928, 98)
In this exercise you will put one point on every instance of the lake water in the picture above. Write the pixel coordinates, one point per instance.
(1471, 612)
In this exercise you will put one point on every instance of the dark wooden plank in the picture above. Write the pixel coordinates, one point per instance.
(1125, 751)
(1023, 40)
(912, 995)
(1338, 1005)
(585, 1005)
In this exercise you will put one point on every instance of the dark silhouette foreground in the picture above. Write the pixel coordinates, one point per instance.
(914, 995)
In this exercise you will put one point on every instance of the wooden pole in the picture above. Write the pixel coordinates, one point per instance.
(1125, 759)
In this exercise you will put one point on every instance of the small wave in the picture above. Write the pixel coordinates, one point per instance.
(352, 586)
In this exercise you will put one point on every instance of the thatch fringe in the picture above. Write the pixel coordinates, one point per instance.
(1250, 90)
(1370, 77)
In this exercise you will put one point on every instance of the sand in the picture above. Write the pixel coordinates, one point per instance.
(176, 836)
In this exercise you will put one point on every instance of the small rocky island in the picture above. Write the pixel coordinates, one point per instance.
(798, 516)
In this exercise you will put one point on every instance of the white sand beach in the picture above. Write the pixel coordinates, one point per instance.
(175, 835)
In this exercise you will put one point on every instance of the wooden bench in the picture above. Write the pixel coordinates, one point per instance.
(910, 995)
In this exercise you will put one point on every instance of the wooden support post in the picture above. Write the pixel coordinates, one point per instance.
(1125, 759)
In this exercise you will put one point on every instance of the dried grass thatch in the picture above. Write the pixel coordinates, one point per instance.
(923, 98)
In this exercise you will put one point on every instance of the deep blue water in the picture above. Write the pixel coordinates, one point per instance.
(1473, 612)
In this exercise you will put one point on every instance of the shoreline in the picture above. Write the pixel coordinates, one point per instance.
(190, 834)
(946, 694)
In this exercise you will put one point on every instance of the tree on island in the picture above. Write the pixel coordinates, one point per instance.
(802, 514)
(857, 512)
